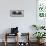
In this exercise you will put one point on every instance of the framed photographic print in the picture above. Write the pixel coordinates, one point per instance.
(41, 12)
(17, 13)
(41, 8)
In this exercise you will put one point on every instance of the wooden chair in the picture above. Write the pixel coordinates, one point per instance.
(8, 34)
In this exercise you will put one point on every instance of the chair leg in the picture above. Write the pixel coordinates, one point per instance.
(5, 43)
(5, 40)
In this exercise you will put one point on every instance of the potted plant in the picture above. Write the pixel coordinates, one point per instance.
(39, 35)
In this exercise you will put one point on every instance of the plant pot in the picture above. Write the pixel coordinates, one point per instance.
(40, 41)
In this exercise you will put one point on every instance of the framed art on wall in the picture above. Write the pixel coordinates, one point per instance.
(41, 8)
(17, 13)
(41, 12)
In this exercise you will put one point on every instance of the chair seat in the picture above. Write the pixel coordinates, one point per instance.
(9, 34)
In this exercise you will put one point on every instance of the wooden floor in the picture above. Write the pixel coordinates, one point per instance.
(13, 44)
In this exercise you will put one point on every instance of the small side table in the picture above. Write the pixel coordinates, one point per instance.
(8, 34)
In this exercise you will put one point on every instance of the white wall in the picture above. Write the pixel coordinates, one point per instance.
(24, 23)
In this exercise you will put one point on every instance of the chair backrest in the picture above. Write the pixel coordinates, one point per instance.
(14, 30)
